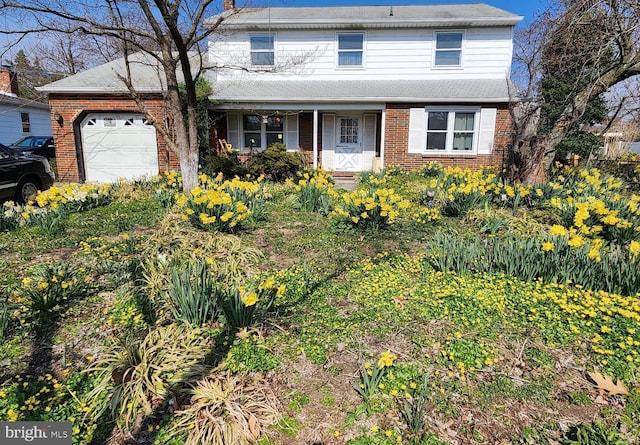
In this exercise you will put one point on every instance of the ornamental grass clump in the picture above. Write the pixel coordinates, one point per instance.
(226, 409)
(371, 208)
(315, 190)
(223, 206)
(139, 375)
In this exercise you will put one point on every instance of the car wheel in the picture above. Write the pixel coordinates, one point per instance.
(27, 190)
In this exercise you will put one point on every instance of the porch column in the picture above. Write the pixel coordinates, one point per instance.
(383, 126)
(315, 138)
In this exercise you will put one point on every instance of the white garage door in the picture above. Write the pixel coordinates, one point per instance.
(118, 146)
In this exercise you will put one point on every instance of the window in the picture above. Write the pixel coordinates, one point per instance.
(261, 132)
(451, 131)
(350, 49)
(448, 49)
(262, 52)
(26, 123)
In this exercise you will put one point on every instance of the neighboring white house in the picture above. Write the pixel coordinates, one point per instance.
(20, 117)
(361, 87)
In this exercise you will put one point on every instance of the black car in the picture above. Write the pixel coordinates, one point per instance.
(37, 145)
(22, 175)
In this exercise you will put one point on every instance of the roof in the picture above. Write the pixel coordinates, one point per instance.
(6, 99)
(362, 91)
(361, 17)
(145, 71)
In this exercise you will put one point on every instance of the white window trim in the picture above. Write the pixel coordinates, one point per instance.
(364, 51)
(462, 49)
(449, 151)
(251, 51)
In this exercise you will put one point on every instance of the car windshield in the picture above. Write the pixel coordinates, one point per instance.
(30, 142)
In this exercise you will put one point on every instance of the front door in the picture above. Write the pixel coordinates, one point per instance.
(349, 144)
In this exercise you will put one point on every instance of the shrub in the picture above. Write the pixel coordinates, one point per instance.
(275, 163)
(228, 164)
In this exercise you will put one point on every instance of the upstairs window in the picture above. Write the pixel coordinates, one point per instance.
(26, 123)
(451, 131)
(262, 49)
(448, 49)
(350, 49)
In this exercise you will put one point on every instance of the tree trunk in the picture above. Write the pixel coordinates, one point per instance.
(534, 170)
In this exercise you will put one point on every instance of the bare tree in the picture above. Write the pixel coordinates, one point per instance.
(167, 31)
(591, 45)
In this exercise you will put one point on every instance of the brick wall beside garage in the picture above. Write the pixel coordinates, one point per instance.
(397, 141)
(68, 109)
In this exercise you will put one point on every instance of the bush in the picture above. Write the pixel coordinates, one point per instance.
(227, 164)
(276, 163)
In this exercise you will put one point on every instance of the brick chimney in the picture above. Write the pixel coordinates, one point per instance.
(229, 4)
(8, 81)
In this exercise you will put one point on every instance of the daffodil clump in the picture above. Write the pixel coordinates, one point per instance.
(465, 189)
(245, 306)
(49, 288)
(222, 205)
(57, 201)
(371, 374)
(75, 197)
(315, 190)
(371, 208)
(167, 184)
(561, 256)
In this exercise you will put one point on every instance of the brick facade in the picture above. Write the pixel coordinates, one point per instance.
(67, 112)
(397, 142)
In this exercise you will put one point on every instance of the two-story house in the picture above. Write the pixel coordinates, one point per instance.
(354, 88)
(359, 88)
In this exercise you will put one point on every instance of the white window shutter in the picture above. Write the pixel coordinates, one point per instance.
(291, 128)
(369, 132)
(328, 131)
(487, 130)
(233, 130)
(417, 130)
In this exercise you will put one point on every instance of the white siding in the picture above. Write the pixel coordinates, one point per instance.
(389, 54)
(11, 124)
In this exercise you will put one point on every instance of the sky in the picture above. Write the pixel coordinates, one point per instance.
(526, 8)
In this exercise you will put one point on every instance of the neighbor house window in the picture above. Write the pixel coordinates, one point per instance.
(262, 131)
(451, 131)
(262, 49)
(350, 49)
(26, 123)
(448, 49)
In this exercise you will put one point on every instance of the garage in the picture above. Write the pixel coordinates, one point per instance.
(118, 146)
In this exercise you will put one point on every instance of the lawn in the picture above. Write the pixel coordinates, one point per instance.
(439, 306)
